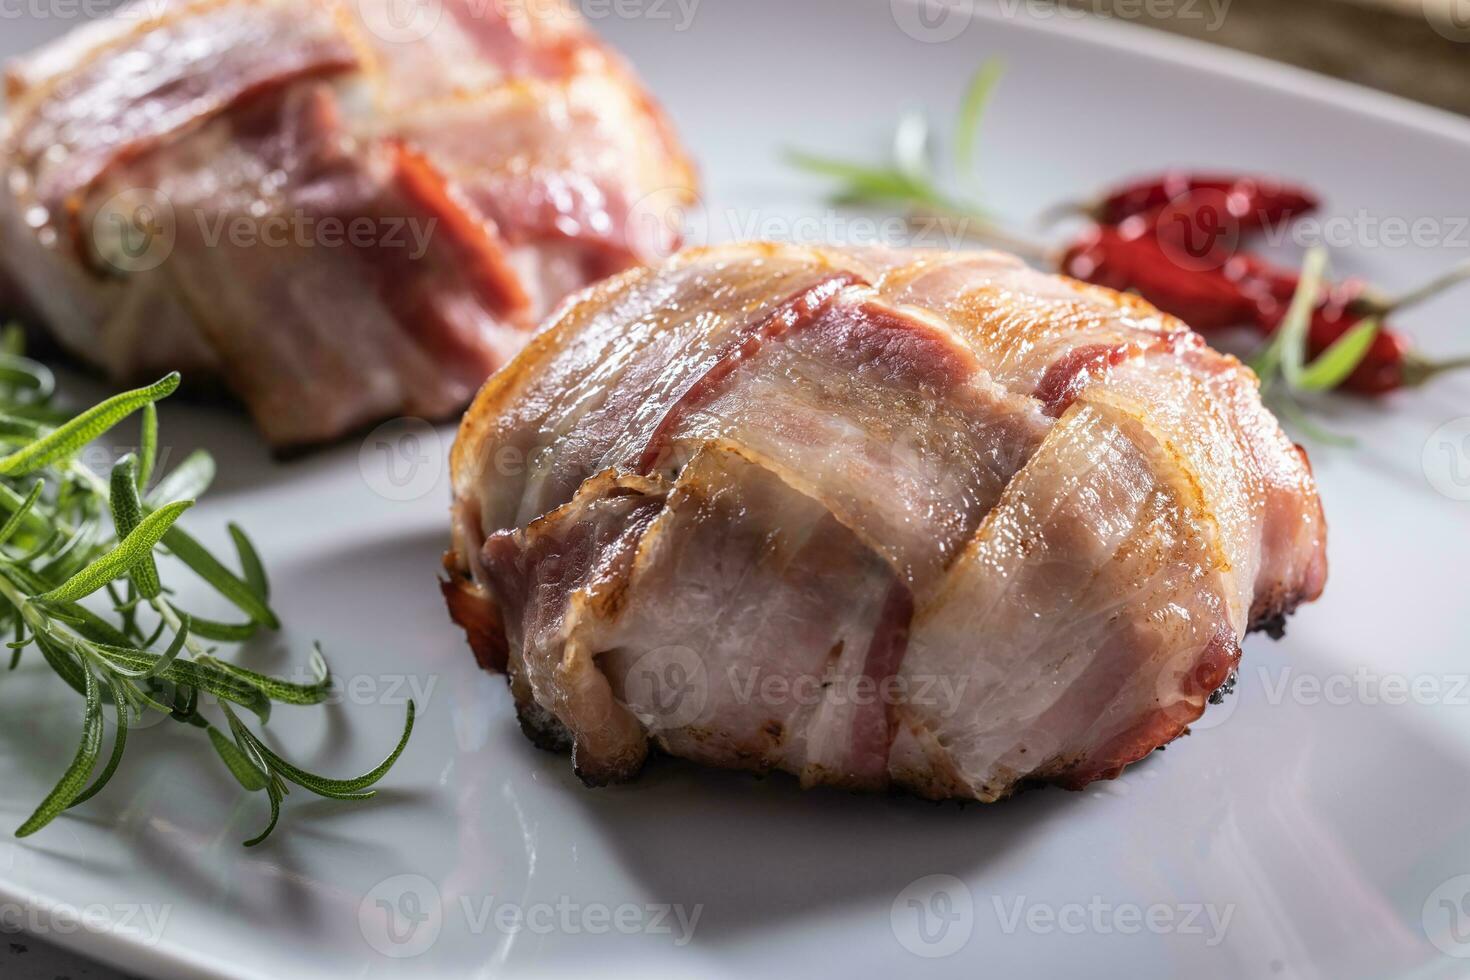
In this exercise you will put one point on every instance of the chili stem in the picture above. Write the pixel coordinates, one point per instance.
(1429, 290)
(1417, 370)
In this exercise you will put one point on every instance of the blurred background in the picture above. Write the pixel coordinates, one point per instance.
(1413, 48)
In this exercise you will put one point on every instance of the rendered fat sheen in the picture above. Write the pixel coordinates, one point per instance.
(339, 227)
(827, 512)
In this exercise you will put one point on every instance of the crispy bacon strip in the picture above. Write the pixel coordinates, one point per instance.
(929, 522)
(339, 220)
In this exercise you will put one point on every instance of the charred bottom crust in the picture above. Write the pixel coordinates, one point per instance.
(1211, 679)
(543, 728)
(547, 733)
(1273, 625)
(1269, 615)
(603, 770)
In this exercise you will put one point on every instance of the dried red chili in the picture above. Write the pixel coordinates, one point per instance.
(1148, 242)
(1343, 306)
(1138, 262)
(1254, 202)
(1390, 362)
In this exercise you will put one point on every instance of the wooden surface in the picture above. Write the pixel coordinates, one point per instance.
(1419, 49)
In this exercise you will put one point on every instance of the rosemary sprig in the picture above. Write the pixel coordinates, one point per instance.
(71, 537)
(1282, 364)
(912, 179)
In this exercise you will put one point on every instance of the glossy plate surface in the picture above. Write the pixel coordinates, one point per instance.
(1317, 826)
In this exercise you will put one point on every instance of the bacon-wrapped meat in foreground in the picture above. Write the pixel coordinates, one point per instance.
(341, 213)
(928, 521)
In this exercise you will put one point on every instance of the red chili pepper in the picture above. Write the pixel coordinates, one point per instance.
(1137, 261)
(1390, 362)
(1170, 241)
(1342, 307)
(1254, 202)
(1247, 290)
(1269, 286)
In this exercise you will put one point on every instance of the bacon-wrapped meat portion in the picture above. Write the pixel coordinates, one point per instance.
(341, 214)
(929, 521)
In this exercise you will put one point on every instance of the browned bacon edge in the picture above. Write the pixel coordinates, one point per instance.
(796, 312)
(476, 612)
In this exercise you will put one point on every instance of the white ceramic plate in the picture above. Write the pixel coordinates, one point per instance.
(1317, 827)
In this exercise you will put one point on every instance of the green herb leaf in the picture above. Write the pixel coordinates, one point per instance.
(73, 435)
(250, 563)
(163, 663)
(203, 676)
(56, 550)
(1333, 366)
(340, 788)
(972, 112)
(275, 797)
(148, 449)
(1287, 350)
(28, 376)
(134, 549)
(285, 692)
(81, 766)
(119, 745)
(224, 581)
(127, 514)
(187, 481)
(18, 516)
(244, 771)
(223, 632)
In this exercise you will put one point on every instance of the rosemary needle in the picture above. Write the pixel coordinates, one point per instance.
(71, 538)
